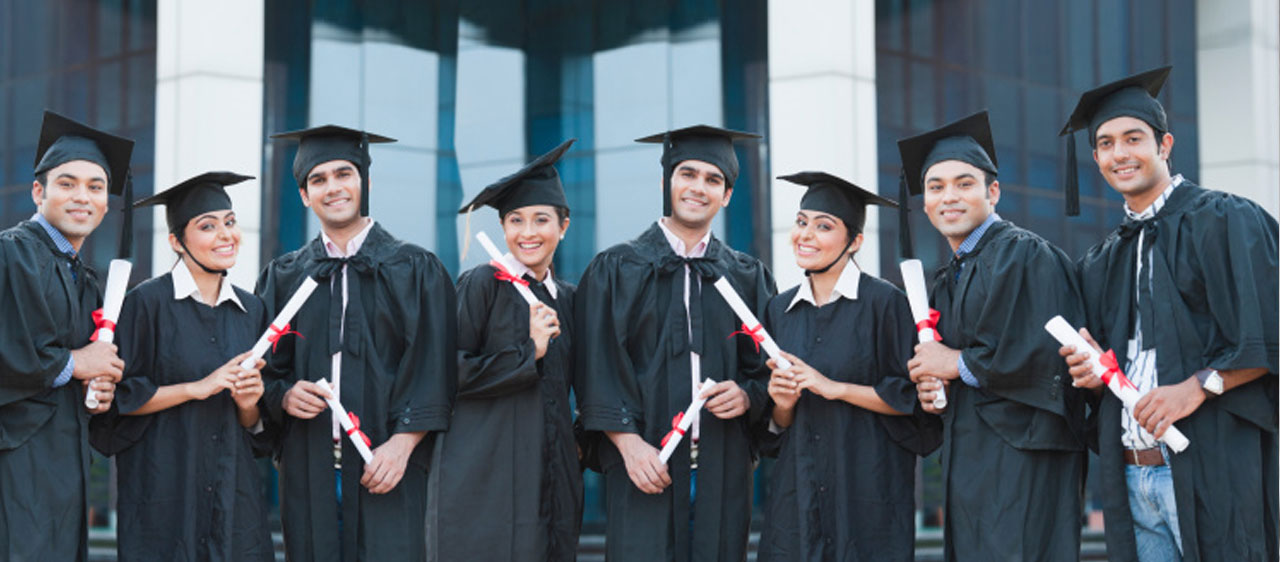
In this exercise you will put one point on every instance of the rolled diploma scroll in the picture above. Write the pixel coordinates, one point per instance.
(286, 315)
(117, 282)
(1119, 384)
(750, 323)
(348, 427)
(493, 252)
(918, 297)
(686, 420)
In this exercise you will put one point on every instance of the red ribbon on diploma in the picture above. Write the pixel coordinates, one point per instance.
(675, 428)
(754, 333)
(931, 323)
(277, 333)
(355, 429)
(503, 275)
(99, 323)
(1108, 360)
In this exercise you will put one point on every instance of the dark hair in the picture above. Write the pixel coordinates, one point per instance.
(42, 178)
(562, 213)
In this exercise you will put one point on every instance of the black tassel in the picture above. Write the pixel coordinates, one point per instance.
(666, 175)
(1070, 178)
(364, 175)
(904, 219)
(125, 251)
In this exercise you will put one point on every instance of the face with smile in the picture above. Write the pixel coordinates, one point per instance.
(75, 199)
(532, 234)
(818, 239)
(1132, 160)
(957, 199)
(698, 192)
(333, 193)
(213, 239)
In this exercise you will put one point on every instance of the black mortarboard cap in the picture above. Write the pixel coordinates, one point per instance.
(318, 145)
(537, 183)
(1133, 96)
(194, 197)
(63, 140)
(838, 197)
(713, 145)
(968, 140)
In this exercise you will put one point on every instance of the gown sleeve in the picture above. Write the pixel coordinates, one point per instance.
(30, 355)
(426, 379)
(113, 432)
(1025, 283)
(496, 356)
(605, 378)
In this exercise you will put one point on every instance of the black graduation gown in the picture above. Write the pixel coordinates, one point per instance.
(633, 375)
(44, 446)
(506, 484)
(189, 488)
(1214, 278)
(843, 487)
(1012, 456)
(399, 374)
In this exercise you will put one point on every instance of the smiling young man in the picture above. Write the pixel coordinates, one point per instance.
(47, 296)
(381, 330)
(651, 330)
(1184, 292)
(1012, 459)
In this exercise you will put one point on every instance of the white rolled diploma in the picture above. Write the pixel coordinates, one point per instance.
(686, 421)
(1119, 384)
(345, 420)
(282, 319)
(493, 252)
(918, 298)
(117, 283)
(749, 320)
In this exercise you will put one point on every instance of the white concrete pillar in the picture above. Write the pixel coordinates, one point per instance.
(209, 66)
(1238, 93)
(822, 112)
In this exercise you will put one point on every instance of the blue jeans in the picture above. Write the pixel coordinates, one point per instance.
(1154, 511)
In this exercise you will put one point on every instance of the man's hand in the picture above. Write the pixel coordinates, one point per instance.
(1164, 405)
(389, 461)
(933, 359)
(1081, 372)
(105, 390)
(927, 390)
(98, 359)
(726, 400)
(641, 459)
(305, 400)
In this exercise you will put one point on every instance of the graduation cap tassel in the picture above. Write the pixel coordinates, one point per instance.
(666, 175)
(904, 219)
(1070, 178)
(466, 238)
(125, 251)
(364, 175)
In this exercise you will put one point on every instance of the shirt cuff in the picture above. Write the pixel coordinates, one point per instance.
(776, 429)
(965, 374)
(255, 428)
(65, 376)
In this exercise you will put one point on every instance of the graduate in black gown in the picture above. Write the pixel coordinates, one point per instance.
(381, 327)
(506, 484)
(1012, 454)
(845, 415)
(1184, 292)
(183, 425)
(650, 328)
(47, 296)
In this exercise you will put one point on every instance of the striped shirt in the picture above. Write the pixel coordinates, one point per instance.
(1142, 362)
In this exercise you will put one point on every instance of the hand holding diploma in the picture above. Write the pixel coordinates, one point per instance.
(1105, 367)
(105, 318)
(926, 319)
(681, 423)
